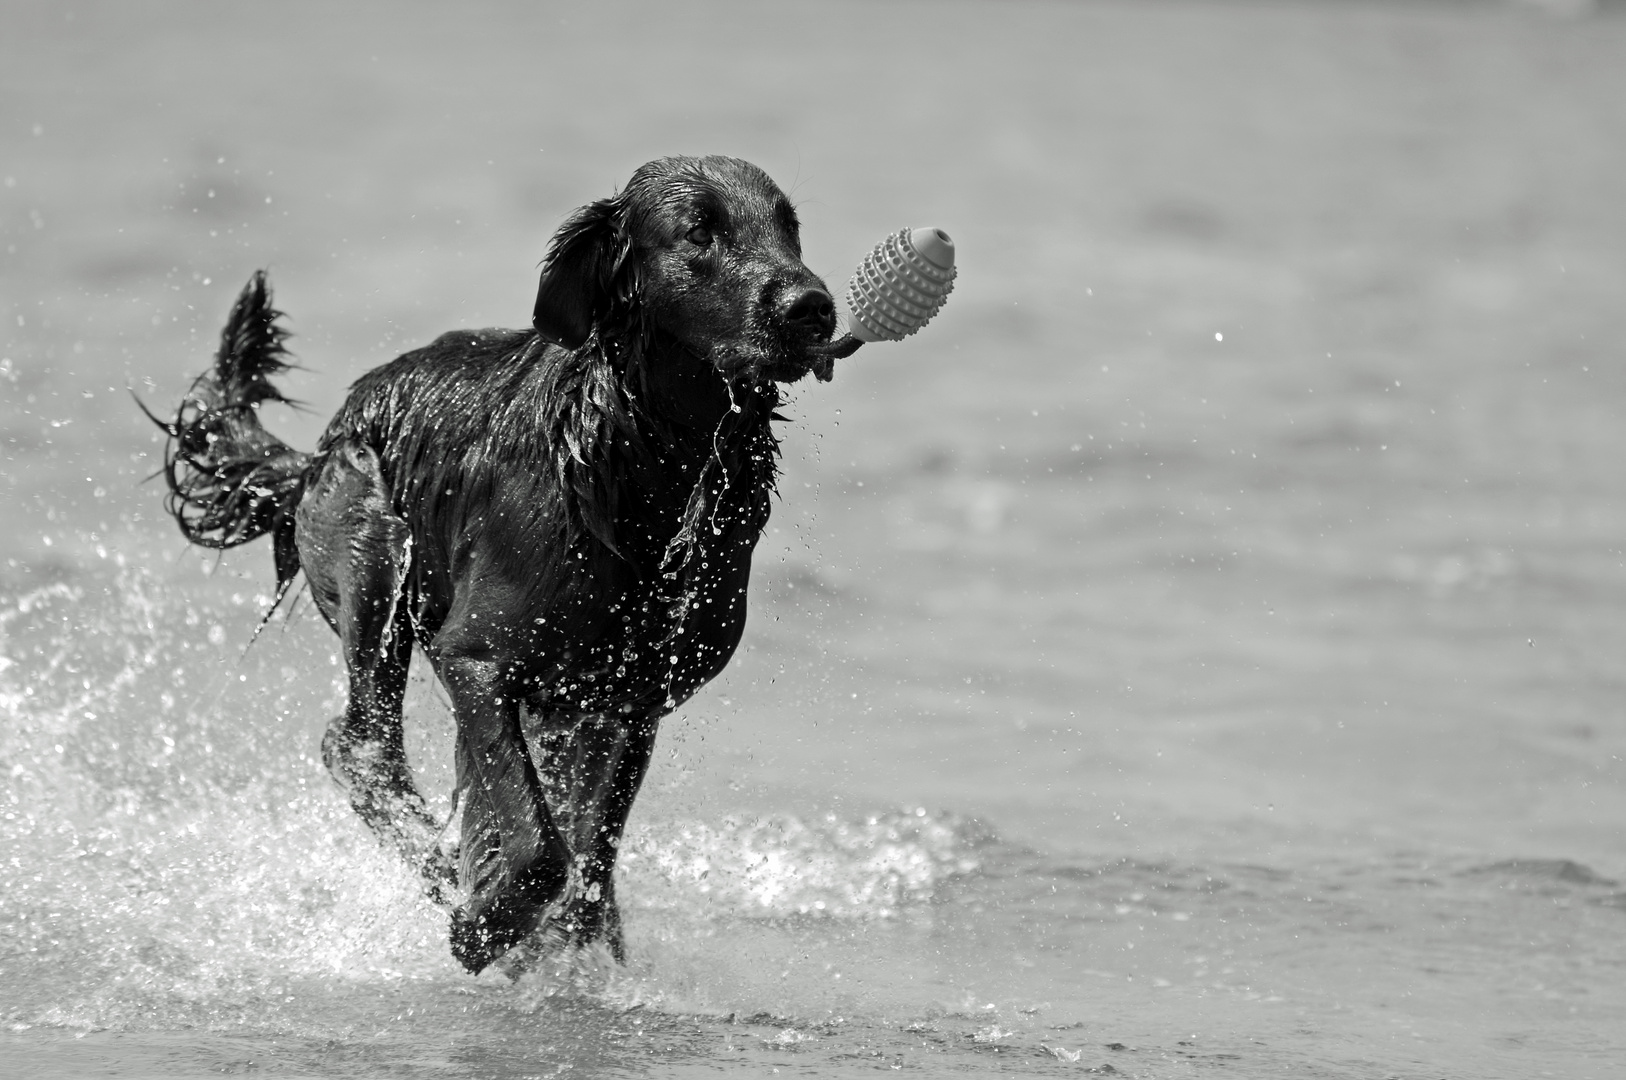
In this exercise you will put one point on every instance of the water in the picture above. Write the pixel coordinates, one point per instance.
(1196, 652)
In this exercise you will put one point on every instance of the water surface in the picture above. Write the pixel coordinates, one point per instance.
(1197, 653)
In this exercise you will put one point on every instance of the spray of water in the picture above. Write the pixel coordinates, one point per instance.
(175, 856)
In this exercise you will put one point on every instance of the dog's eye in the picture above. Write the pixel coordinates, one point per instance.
(700, 236)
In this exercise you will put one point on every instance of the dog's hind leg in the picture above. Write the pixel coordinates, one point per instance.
(592, 768)
(356, 553)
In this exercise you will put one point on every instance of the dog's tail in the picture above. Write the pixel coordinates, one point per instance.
(230, 480)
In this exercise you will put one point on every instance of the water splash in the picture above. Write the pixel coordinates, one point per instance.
(177, 857)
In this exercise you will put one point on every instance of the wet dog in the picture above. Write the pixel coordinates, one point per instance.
(562, 518)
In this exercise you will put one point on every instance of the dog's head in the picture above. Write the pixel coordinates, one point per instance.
(704, 250)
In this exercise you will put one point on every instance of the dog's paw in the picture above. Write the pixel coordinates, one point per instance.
(553, 961)
(478, 941)
(496, 919)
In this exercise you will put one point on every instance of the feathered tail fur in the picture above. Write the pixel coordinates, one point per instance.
(230, 480)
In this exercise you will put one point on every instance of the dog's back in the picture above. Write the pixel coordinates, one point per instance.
(458, 429)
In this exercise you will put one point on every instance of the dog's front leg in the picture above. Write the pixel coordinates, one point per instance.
(592, 767)
(513, 861)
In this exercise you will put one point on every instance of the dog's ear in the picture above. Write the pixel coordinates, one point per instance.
(585, 277)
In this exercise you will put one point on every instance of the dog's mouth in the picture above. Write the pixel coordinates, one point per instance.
(791, 362)
(824, 356)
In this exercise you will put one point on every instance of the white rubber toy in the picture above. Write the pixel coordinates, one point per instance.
(900, 285)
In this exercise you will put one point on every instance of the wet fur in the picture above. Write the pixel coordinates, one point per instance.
(561, 517)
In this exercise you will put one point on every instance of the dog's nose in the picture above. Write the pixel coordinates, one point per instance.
(812, 310)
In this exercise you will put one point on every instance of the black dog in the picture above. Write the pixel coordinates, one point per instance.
(561, 517)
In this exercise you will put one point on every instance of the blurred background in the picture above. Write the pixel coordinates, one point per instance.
(1203, 638)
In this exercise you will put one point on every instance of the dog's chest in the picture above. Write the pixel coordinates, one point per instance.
(660, 637)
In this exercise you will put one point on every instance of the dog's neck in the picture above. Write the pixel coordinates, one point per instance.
(701, 436)
(674, 385)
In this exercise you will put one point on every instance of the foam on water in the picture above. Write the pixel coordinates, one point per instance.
(779, 865)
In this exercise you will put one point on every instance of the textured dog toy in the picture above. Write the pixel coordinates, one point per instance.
(901, 284)
(894, 292)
